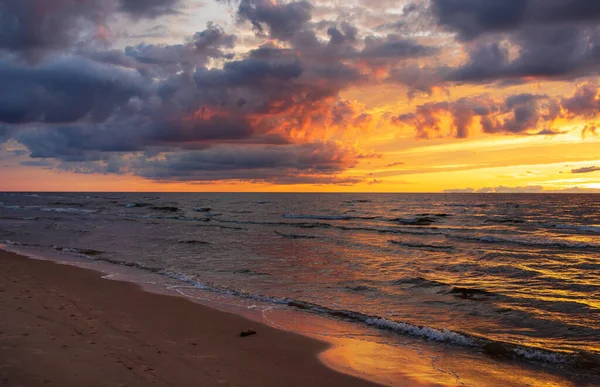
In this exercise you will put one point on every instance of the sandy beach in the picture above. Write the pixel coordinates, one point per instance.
(66, 326)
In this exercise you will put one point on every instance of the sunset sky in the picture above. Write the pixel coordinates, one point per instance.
(268, 95)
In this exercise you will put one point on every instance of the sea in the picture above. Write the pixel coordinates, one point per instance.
(513, 275)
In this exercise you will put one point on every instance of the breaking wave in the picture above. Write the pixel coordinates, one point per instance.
(493, 347)
(295, 236)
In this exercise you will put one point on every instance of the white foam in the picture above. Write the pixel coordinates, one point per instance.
(534, 354)
(425, 332)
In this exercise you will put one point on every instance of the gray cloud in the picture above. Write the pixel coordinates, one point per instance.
(282, 20)
(36, 163)
(557, 52)
(310, 163)
(473, 18)
(35, 27)
(65, 90)
(149, 8)
(586, 170)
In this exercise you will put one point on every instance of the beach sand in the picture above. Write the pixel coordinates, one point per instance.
(65, 326)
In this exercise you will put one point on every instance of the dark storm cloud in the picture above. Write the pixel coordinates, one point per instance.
(473, 18)
(212, 113)
(586, 170)
(34, 27)
(64, 90)
(280, 20)
(162, 60)
(565, 52)
(510, 42)
(76, 143)
(394, 47)
(310, 163)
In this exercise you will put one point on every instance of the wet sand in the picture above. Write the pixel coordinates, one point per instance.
(65, 326)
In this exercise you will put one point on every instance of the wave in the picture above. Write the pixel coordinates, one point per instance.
(470, 293)
(194, 242)
(87, 252)
(19, 218)
(295, 236)
(251, 272)
(361, 288)
(438, 215)
(433, 334)
(290, 224)
(165, 208)
(303, 225)
(416, 221)
(134, 205)
(202, 209)
(474, 205)
(50, 209)
(222, 227)
(421, 245)
(419, 282)
(528, 242)
(489, 346)
(318, 217)
(592, 229)
(505, 221)
(68, 210)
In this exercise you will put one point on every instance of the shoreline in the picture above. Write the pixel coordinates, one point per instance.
(338, 347)
(66, 326)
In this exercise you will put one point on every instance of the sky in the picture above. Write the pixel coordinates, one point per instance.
(300, 96)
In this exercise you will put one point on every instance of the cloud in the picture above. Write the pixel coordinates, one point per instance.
(522, 189)
(473, 18)
(395, 47)
(510, 42)
(274, 106)
(550, 132)
(36, 163)
(309, 163)
(149, 8)
(395, 164)
(35, 27)
(586, 170)
(100, 110)
(55, 24)
(459, 190)
(515, 114)
(589, 129)
(280, 20)
(65, 90)
(556, 52)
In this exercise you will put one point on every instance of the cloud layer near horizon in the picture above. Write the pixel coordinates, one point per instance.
(263, 100)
